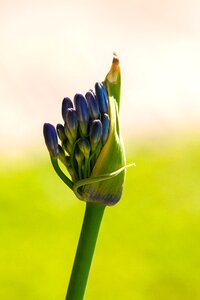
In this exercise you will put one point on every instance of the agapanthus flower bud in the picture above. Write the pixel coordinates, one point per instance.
(93, 105)
(51, 139)
(79, 156)
(102, 97)
(61, 155)
(61, 132)
(84, 146)
(95, 133)
(92, 147)
(105, 127)
(67, 103)
(82, 110)
(68, 146)
(70, 169)
(72, 123)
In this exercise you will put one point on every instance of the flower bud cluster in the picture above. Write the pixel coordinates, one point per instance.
(83, 134)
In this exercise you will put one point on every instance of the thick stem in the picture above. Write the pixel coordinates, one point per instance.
(85, 250)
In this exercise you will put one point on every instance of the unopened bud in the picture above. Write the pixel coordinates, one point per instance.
(82, 110)
(61, 132)
(106, 127)
(67, 103)
(93, 105)
(51, 139)
(102, 97)
(84, 146)
(72, 122)
(61, 155)
(95, 133)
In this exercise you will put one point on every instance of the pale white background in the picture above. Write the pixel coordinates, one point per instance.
(50, 49)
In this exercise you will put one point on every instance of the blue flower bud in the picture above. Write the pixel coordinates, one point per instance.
(67, 103)
(93, 105)
(72, 122)
(78, 156)
(67, 146)
(82, 110)
(51, 139)
(68, 134)
(80, 161)
(61, 132)
(70, 169)
(95, 133)
(61, 155)
(105, 127)
(84, 146)
(102, 97)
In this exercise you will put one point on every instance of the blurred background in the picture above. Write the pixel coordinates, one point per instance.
(149, 243)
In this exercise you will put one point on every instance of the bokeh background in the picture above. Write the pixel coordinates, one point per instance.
(149, 244)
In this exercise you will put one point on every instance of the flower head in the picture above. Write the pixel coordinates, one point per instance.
(91, 146)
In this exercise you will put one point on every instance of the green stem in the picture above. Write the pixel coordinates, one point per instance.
(60, 173)
(85, 250)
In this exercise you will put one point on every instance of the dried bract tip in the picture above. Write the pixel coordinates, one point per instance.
(115, 58)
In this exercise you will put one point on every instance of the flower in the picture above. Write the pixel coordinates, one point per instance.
(91, 146)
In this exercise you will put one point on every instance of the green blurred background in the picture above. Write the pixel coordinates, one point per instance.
(149, 243)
